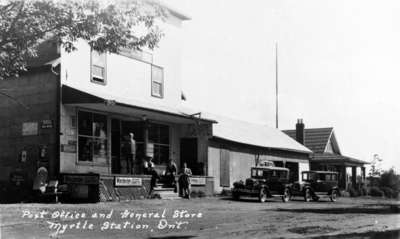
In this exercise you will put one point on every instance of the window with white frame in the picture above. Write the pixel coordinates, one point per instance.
(157, 81)
(92, 137)
(98, 68)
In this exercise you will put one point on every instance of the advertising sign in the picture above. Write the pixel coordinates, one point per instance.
(197, 181)
(127, 181)
(29, 128)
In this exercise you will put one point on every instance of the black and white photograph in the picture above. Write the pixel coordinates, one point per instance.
(181, 119)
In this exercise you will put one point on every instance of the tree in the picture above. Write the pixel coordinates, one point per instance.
(24, 24)
(390, 179)
(375, 170)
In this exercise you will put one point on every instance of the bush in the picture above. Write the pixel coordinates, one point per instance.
(226, 192)
(344, 193)
(364, 191)
(354, 192)
(390, 179)
(376, 192)
(390, 193)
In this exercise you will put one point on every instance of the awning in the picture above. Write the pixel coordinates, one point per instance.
(128, 107)
(328, 158)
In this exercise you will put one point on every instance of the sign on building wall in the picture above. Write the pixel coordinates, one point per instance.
(29, 128)
(68, 148)
(47, 124)
(198, 181)
(127, 181)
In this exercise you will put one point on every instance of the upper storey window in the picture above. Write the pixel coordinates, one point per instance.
(157, 81)
(98, 69)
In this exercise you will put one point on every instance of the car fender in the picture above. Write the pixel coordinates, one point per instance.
(334, 188)
(288, 186)
(308, 187)
(264, 186)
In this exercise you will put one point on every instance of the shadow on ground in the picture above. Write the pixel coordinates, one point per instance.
(381, 209)
(251, 199)
(392, 234)
(172, 237)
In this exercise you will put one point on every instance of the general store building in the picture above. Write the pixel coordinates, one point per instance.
(72, 112)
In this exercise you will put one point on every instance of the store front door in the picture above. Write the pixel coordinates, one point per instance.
(189, 154)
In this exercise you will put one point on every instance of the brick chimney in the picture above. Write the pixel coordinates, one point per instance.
(300, 132)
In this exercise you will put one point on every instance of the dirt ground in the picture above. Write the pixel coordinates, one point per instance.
(204, 218)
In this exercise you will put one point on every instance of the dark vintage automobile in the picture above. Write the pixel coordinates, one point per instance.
(317, 184)
(265, 182)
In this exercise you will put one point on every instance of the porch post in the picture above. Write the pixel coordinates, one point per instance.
(145, 137)
(343, 177)
(363, 174)
(354, 176)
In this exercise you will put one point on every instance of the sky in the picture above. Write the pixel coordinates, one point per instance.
(338, 67)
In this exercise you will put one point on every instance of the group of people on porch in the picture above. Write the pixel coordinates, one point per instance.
(169, 175)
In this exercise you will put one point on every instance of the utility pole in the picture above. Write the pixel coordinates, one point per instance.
(276, 86)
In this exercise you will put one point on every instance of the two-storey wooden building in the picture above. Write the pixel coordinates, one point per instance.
(72, 114)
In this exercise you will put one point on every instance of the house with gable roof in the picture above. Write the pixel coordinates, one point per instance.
(327, 155)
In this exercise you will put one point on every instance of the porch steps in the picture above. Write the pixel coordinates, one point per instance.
(165, 193)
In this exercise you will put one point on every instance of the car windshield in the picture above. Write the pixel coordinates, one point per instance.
(256, 172)
(331, 177)
(267, 173)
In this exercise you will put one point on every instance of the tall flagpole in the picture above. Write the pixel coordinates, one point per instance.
(276, 85)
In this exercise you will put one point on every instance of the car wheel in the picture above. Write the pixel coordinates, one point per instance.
(286, 195)
(315, 198)
(334, 196)
(307, 195)
(263, 195)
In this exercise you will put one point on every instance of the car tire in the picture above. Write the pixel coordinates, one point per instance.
(307, 195)
(286, 195)
(263, 195)
(333, 196)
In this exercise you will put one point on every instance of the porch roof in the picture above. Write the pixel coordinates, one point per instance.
(255, 134)
(336, 159)
(95, 100)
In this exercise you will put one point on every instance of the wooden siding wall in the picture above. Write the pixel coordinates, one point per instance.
(38, 91)
(230, 161)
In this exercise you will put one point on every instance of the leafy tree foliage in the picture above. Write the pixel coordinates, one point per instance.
(390, 179)
(24, 24)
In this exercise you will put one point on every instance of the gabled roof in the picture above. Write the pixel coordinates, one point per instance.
(254, 134)
(316, 139)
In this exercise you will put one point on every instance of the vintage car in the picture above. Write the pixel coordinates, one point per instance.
(265, 182)
(316, 184)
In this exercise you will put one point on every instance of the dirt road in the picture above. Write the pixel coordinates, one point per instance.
(204, 218)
